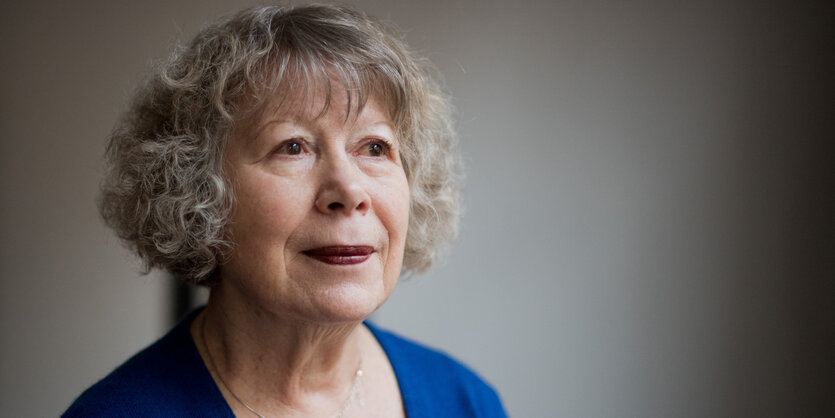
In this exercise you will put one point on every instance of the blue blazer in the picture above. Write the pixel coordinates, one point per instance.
(169, 379)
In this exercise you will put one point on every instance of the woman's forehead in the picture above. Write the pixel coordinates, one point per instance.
(314, 106)
(309, 103)
(309, 91)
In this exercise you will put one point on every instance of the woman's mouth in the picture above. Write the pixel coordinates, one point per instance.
(340, 254)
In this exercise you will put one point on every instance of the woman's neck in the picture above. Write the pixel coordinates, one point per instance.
(276, 363)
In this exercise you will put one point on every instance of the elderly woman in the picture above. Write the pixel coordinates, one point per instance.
(296, 161)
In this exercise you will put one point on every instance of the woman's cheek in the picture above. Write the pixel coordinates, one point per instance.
(282, 166)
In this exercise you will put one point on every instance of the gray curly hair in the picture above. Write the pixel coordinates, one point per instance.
(165, 193)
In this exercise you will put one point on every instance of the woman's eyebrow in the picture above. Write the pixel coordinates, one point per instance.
(381, 123)
(386, 123)
(271, 122)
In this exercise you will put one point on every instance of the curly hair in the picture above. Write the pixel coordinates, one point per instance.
(165, 193)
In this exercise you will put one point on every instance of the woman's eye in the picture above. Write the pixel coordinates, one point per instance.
(377, 149)
(291, 148)
(294, 148)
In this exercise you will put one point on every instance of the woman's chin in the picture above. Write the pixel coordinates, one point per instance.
(343, 304)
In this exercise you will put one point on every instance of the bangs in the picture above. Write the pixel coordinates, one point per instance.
(298, 85)
(299, 64)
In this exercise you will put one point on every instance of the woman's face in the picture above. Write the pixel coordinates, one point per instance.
(321, 211)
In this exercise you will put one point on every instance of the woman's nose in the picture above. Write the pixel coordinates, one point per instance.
(342, 189)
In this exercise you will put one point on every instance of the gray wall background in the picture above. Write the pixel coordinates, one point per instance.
(650, 202)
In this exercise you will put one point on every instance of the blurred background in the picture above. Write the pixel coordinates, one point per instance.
(650, 202)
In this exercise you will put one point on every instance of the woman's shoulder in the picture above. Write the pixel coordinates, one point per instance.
(166, 379)
(433, 383)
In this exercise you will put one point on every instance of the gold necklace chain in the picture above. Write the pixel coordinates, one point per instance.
(356, 387)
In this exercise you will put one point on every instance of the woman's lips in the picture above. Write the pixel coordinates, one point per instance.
(340, 254)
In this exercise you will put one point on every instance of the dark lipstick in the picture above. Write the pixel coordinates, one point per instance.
(340, 254)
